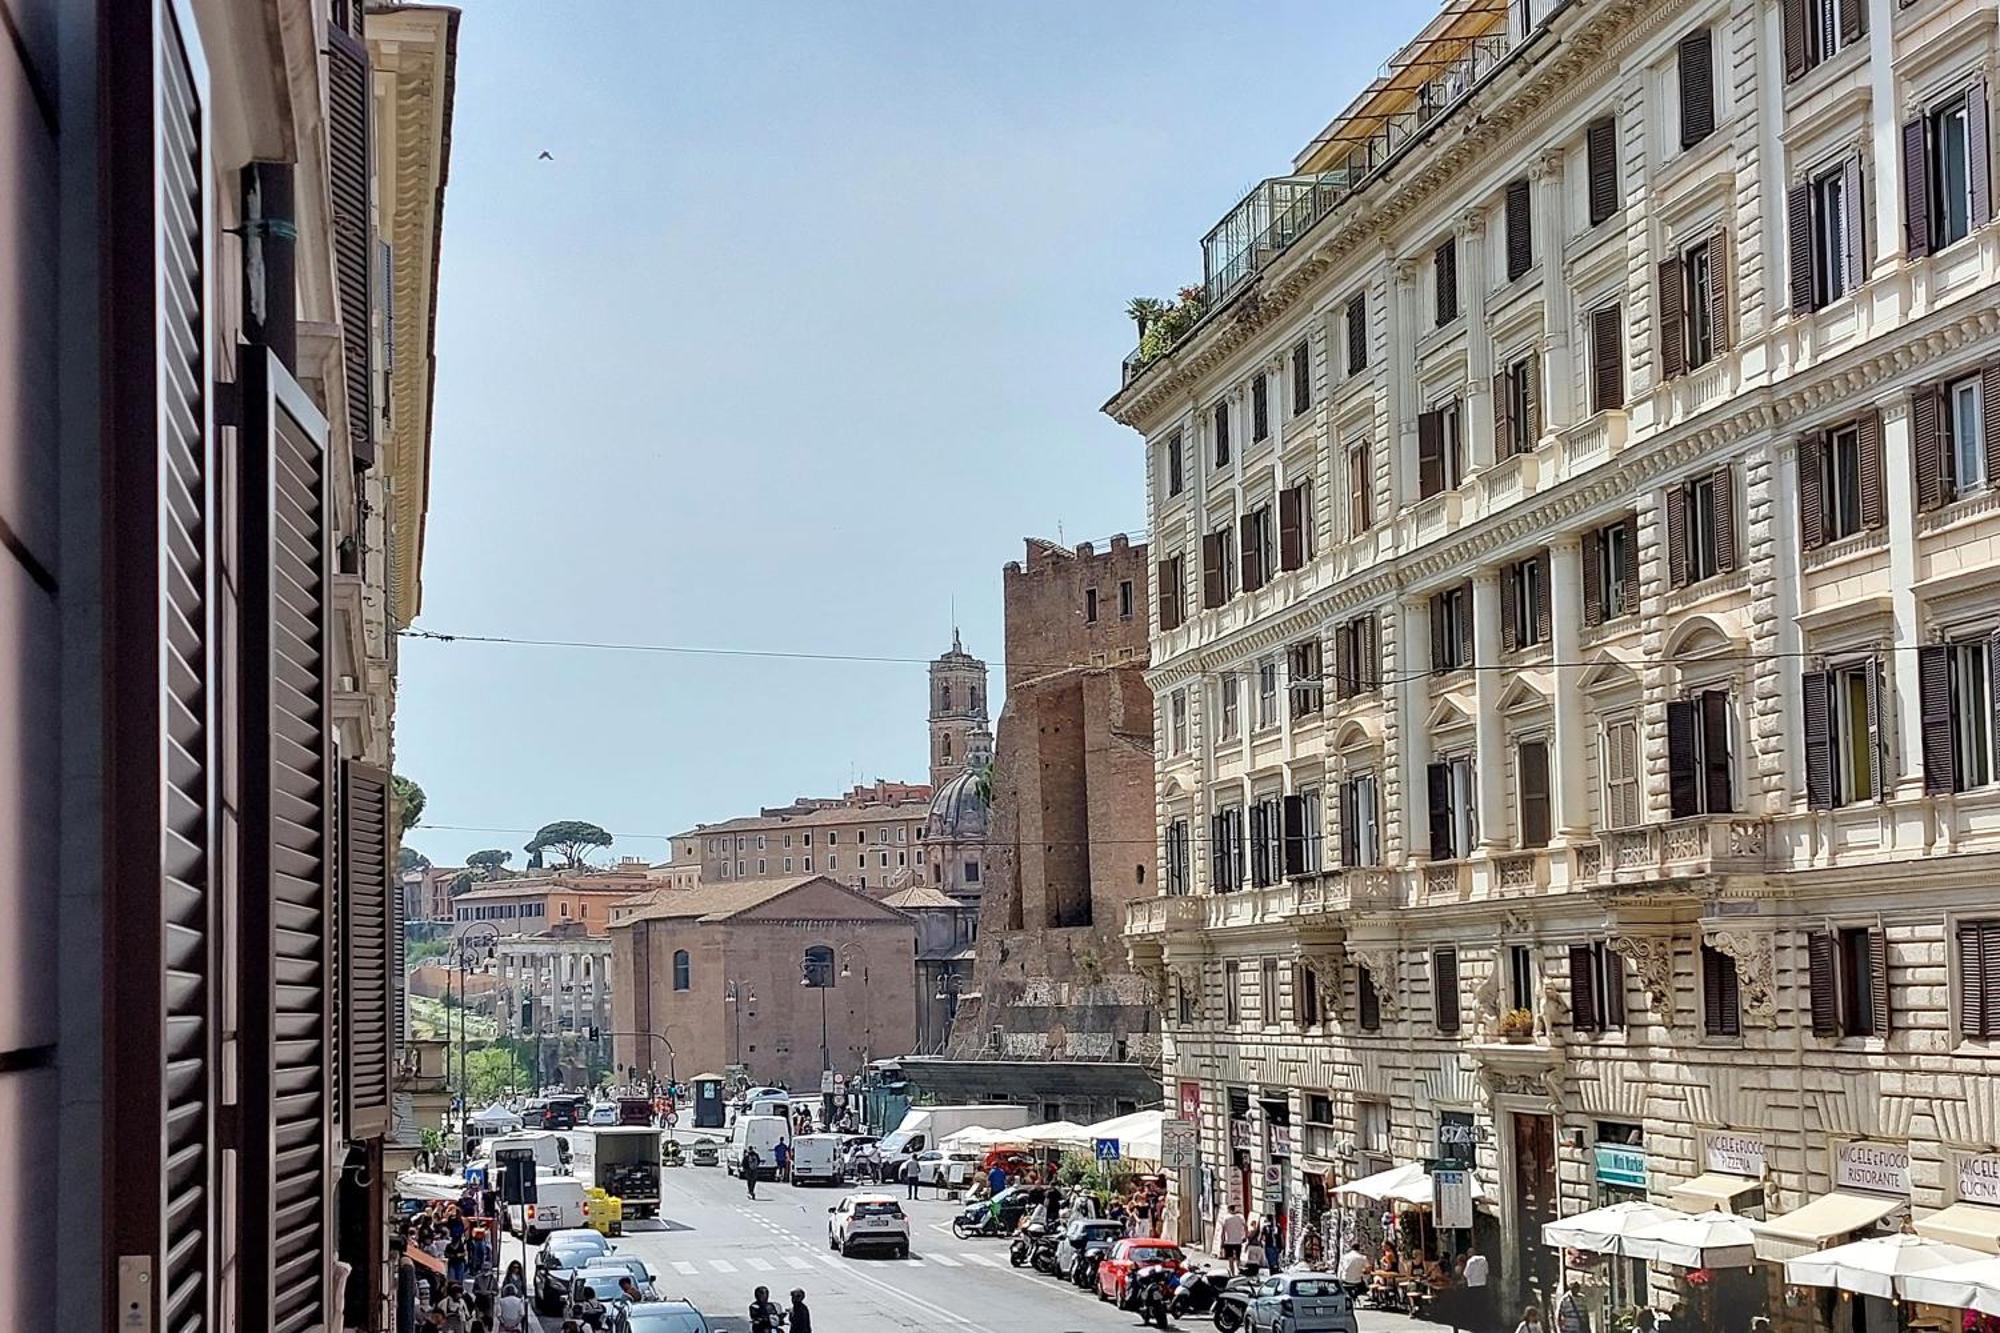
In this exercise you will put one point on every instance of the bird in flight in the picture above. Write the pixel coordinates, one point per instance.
(546, 156)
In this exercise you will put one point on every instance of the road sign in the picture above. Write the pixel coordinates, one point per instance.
(1453, 1195)
(1106, 1149)
(826, 1080)
(1177, 1144)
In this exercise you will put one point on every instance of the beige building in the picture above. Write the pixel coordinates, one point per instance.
(1574, 603)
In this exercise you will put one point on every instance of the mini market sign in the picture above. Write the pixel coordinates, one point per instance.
(1621, 1166)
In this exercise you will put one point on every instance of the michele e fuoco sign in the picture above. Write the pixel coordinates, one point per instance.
(1881, 1168)
(1979, 1179)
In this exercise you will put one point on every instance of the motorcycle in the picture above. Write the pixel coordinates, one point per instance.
(1084, 1271)
(1042, 1258)
(1026, 1241)
(1196, 1292)
(979, 1218)
(1152, 1288)
(1232, 1303)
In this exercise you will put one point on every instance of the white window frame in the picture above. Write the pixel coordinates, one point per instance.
(1965, 422)
(1230, 686)
(1972, 715)
(1267, 694)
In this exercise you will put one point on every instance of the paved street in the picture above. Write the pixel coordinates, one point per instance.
(713, 1245)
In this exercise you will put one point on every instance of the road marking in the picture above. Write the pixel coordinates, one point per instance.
(972, 1258)
(832, 1261)
(798, 1262)
(946, 1260)
(685, 1269)
(912, 1262)
(760, 1265)
(722, 1265)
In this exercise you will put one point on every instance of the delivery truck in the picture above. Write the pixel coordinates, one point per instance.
(627, 1164)
(925, 1127)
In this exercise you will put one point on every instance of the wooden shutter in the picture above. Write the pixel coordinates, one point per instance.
(1444, 967)
(1440, 642)
(1607, 356)
(1718, 775)
(1438, 779)
(1933, 461)
(1878, 980)
(1357, 334)
(1531, 400)
(1799, 246)
(1291, 532)
(347, 103)
(1350, 824)
(1697, 75)
(1600, 149)
(287, 832)
(1301, 378)
(1533, 763)
(1821, 982)
(1816, 689)
(1677, 537)
(1520, 233)
(1465, 641)
(1979, 163)
(1712, 1015)
(1368, 647)
(1972, 1015)
(1720, 304)
(1683, 774)
(1993, 685)
(1725, 518)
(1583, 1006)
(1430, 453)
(1874, 508)
(1214, 578)
(1854, 228)
(1797, 62)
(1673, 319)
(1989, 394)
(1629, 597)
(1989, 976)
(1510, 609)
(1503, 415)
(1934, 702)
(1916, 189)
(1812, 491)
(1614, 989)
(1729, 999)
(1359, 484)
(1165, 576)
(1544, 620)
(1445, 272)
(1878, 753)
(1346, 659)
(365, 893)
(1218, 852)
(1250, 538)
(1592, 552)
(1853, 20)
(1368, 999)
(1295, 835)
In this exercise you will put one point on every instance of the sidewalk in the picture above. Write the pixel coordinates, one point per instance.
(1386, 1321)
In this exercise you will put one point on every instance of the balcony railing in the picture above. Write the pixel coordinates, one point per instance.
(1701, 845)
(1158, 916)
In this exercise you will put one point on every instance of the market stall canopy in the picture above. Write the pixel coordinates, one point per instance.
(496, 1116)
(1055, 1134)
(1712, 1191)
(1603, 1230)
(1973, 1286)
(978, 1136)
(1973, 1225)
(1875, 1266)
(427, 1185)
(1806, 1229)
(1138, 1134)
(1407, 1183)
(1698, 1240)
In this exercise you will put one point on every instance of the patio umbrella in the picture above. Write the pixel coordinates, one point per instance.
(1695, 1240)
(1973, 1286)
(1138, 1134)
(1408, 1183)
(1603, 1230)
(1055, 1134)
(1877, 1265)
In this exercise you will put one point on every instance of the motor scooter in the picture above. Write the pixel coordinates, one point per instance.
(1232, 1303)
(1152, 1293)
(1026, 1241)
(1196, 1292)
(1084, 1271)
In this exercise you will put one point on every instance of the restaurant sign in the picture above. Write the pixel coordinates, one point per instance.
(1879, 1167)
(1621, 1166)
(1734, 1155)
(1979, 1179)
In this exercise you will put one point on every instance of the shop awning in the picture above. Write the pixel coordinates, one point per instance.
(1712, 1191)
(1973, 1225)
(1876, 1266)
(1603, 1230)
(1407, 1183)
(1704, 1240)
(1806, 1229)
(1973, 1286)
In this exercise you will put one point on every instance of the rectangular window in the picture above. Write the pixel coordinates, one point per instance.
(1221, 433)
(1173, 597)
(1308, 689)
(1355, 656)
(1700, 766)
(1267, 695)
(1266, 838)
(1596, 987)
(1517, 407)
(1303, 819)
(1232, 993)
(1451, 629)
(1701, 528)
(1951, 172)
(1610, 571)
(1372, 1127)
(1256, 548)
(1607, 358)
(1453, 818)
(1184, 1003)
(1444, 990)
(1600, 151)
(1721, 1004)
(1855, 952)
(1218, 566)
(1179, 879)
(1531, 777)
(833, 860)
(1840, 483)
(1817, 30)
(1305, 995)
(1226, 849)
(1124, 599)
(809, 865)
(1520, 977)
(1302, 382)
(1972, 714)
(1854, 748)
(1260, 408)
(1297, 541)
(1267, 991)
(1357, 334)
(1696, 70)
(1979, 979)
(1520, 229)
(1229, 686)
(1618, 758)
(1178, 713)
(1367, 999)
(1965, 424)
(1440, 450)
(1176, 465)
(1834, 214)
(1524, 612)
(1090, 606)
(1697, 306)
(1444, 279)
(1360, 830)
(1360, 489)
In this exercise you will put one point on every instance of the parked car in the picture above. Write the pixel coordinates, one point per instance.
(941, 1168)
(603, 1278)
(664, 1317)
(868, 1219)
(1301, 1303)
(603, 1113)
(566, 1254)
(1114, 1274)
(1080, 1234)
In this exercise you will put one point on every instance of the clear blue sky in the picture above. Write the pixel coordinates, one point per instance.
(803, 329)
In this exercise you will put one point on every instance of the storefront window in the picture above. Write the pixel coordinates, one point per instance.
(1621, 1177)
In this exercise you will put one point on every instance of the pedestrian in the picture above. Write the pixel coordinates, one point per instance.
(910, 1174)
(1477, 1301)
(764, 1316)
(1531, 1321)
(629, 1289)
(516, 1280)
(750, 1166)
(510, 1312)
(1353, 1270)
(778, 1156)
(1252, 1253)
(802, 1319)
(1571, 1317)
(1230, 1230)
(454, 1259)
(454, 1308)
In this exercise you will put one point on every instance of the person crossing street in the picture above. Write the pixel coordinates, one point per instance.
(751, 1162)
(765, 1315)
(911, 1175)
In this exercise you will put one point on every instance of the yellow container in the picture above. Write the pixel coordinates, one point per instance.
(604, 1213)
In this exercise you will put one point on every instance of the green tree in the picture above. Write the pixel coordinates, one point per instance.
(409, 803)
(491, 863)
(570, 839)
(409, 858)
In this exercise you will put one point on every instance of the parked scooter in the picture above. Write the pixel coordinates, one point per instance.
(1026, 1241)
(1042, 1256)
(1232, 1303)
(976, 1219)
(1152, 1293)
(1196, 1292)
(1084, 1271)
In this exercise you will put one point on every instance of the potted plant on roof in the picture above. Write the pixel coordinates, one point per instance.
(1517, 1026)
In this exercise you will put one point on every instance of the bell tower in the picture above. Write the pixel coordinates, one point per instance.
(960, 736)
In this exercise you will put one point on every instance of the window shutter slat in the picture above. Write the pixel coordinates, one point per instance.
(1532, 761)
(1249, 540)
(1731, 998)
(1725, 518)
(1878, 980)
(1370, 672)
(1794, 22)
(1853, 20)
(1607, 355)
(1214, 589)
(1717, 776)
(1971, 982)
(1291, 543)
(1629, 597)
(1989, 978)
(1167, 576)
(1295, 835)
(366, 959)
(1820, 977)
(1520, 234)
(1510, 610)
(1445, 966)
(1697, 75)
(1979, 161)
(1357, 335)
(1465, 626)
(1592, 551)
(1854, 228)
(1812, 492)
(1816, 690)
(1350, 832)
(1721, 306)
(1503, 415)
(1878, 753)
(1600, 148)
(1444, 268)
(1582, 990)
(1531, 398)
(1916, 190)
(1989, 394)
(1934, 704)
(1673, 320)
(1874, 507)
(1543, 621)
(1677, 537)
(1712, 1012)
(1430, 453)
(1438, 777)
(1440, 644)
(1613, 1000)
(1683, 774)
(1799, 247)
(1927, 445)
(348, 99)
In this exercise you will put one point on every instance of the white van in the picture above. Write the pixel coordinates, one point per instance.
(816, 1158)
(779, 1106)
(548, 1149)
(559, 1202)
(762, 1132)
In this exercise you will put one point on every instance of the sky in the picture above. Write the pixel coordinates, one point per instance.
(806, 324)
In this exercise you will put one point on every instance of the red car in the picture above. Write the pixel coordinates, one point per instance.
(1128, 1256)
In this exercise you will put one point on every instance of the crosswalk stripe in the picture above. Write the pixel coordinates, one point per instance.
(914, 1262)
(760, 1265)
(831, 1260)
(722, 1265)
(945, 1260)
(971, 1258)
(685, 1269)
(798, 1262)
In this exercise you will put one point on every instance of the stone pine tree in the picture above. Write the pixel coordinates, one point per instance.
(570, 839)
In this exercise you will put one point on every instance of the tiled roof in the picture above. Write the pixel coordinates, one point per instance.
(842, 815)
(919, 896)
(715, 902)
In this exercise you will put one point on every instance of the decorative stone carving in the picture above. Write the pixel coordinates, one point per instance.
(1486, 1002)
(1381, 965)
(1154, 974)
(1652, 959)
(1554, 1006)
(1516, 922)
(1547, 1084)
(1755, 972)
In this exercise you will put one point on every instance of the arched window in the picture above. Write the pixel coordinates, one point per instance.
(947, 749)
(818, 970)
(944, 695)
(975, 698)
(680, 969)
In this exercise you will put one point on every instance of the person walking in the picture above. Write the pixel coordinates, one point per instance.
(765, 1317)
(1531, 1320)
(510, 1312)
(802, 1319)
(750, 1165)
(778, 1156)
(1253, 1247)
(911, 1175)
(1230, 1229)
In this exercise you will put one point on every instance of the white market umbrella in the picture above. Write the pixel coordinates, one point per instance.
(1876, 1266)
(1408, 1183)
(1695, 1240)
(974, 1137)
(1604, 1230)
(1138, 1134)
(495, 1116)
(429, 1185)
(1055, 1134)
(1970, 1286)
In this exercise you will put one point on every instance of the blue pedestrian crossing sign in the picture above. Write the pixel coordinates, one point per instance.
(1106, 1149)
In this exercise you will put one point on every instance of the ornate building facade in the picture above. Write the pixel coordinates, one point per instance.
(1574, 603)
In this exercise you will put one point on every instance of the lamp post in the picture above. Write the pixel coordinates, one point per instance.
(738, 995)
(816, 973)
(950, 984)
(474, 946)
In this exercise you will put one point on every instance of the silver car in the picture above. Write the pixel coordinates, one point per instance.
(1300, 1303)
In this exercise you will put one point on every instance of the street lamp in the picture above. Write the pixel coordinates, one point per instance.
(739, 996)
(470, 951)
(950, 984)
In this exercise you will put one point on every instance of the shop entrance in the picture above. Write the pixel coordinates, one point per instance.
(1535, 1199)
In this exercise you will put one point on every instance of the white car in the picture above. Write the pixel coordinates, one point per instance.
(603, 1113)
(861, 1220)
(945, 1168)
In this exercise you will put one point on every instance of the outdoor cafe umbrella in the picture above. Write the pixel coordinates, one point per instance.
(1695, 1240)
(1408, 1183)
(1604, 1230)
(1055, 1134)
(1876, 1266)
(1970, 1286)
(1137, 1134)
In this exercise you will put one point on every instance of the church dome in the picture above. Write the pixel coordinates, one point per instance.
(958, 812)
